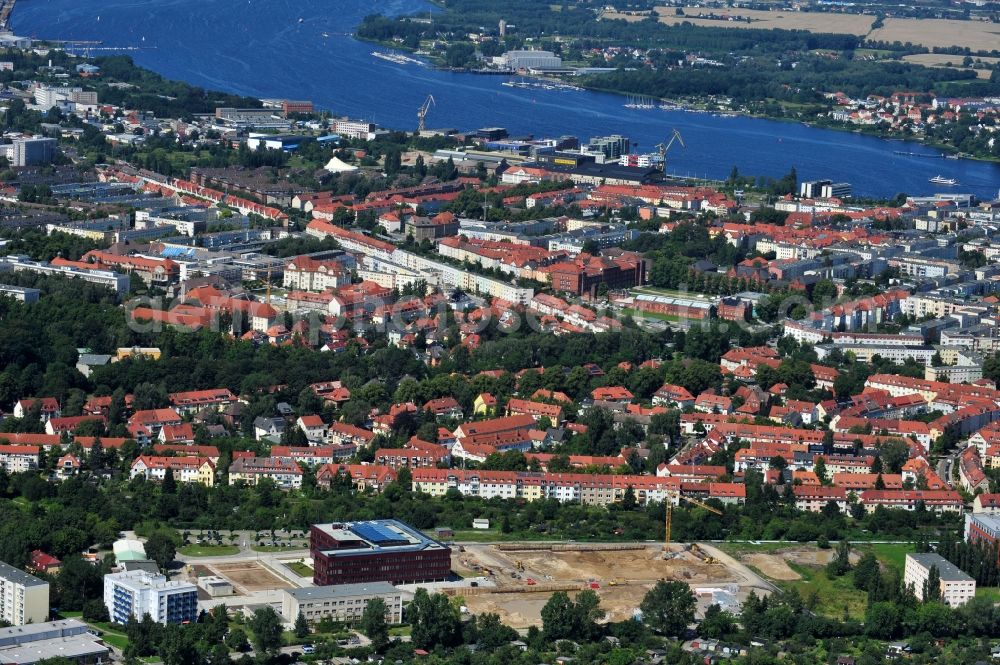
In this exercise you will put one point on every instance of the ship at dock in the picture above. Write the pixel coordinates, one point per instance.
(396, 58)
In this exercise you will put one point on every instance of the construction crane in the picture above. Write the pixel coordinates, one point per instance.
(422, 113)
(663, 148)
(670, 510)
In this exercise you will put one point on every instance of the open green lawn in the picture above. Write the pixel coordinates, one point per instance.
(735, 549)
(399, 631)
(208, 550)
(989, 592)
(274, 548)
(832, 594)
(637, 314)
(892, 555)
(110, 635)
(300, 569)
(657, 291)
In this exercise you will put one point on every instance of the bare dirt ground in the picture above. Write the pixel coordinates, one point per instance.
(521, 610)
(622, 576)
(977, 35)
(249, 576)
(772, 566)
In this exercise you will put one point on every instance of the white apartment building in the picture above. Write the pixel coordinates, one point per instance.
(138, 592)
(47, 97)
(23, 598)
(343, 602)
(18, 459)
(957, 588)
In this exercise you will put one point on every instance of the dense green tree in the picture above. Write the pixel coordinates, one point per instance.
(266, 627)
(373, 624)
(669, 607)
(160, 547)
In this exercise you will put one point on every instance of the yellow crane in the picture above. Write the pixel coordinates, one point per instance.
(663, 148)
(670, 510)
(422, 112)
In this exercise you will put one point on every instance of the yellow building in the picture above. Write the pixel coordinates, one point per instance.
(485, 405)
(123, 352)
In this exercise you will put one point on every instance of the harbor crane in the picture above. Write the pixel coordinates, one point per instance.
(670, 509)
(663, 148)
(422, 113)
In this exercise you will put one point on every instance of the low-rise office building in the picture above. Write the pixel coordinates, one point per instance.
(51, 640)
(343, 603)
(376, 551)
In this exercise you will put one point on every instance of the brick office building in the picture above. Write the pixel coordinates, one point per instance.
(376, 551)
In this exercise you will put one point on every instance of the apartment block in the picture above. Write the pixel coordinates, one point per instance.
(138, 592)
(23, 598)
(957, 588)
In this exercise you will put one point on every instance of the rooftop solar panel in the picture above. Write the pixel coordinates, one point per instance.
(376, 533)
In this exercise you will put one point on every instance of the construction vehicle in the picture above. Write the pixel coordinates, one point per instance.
(701, 554)
(519, 565)
(669, 512)
(663, 148)
(422, 113)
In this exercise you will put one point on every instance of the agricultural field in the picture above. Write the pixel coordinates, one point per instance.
(977, 35)
(850, 24)
(944, 60)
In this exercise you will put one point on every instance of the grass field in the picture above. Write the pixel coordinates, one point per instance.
(300, 569)
(110, 635)
(891, 555)
(833, 595)
(274, 548)
(736, 549)
(637, 314)
(208, 550)
(669, 293)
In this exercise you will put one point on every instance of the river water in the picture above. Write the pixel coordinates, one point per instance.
(277, 48)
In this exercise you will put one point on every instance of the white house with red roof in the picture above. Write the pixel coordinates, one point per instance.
(313, 427)
(183, 433)
(18, 459)
(48, 407)
(616, 394)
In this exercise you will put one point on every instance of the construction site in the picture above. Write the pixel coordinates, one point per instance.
(520, 577)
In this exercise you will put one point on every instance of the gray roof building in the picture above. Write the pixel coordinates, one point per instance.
(18, 576)
(947, 571)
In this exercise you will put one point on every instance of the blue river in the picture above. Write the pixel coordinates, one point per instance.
(277, 48)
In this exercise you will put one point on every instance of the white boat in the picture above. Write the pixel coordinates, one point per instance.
(941, 180)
